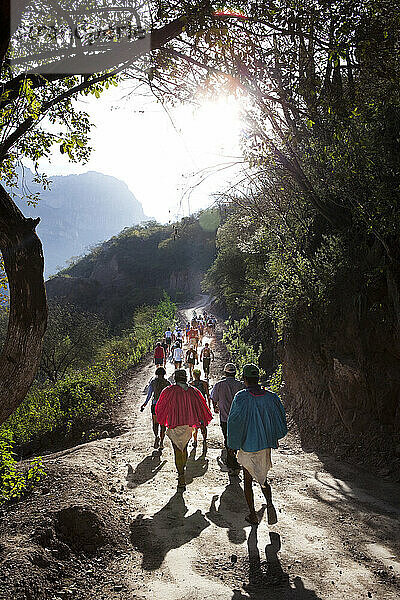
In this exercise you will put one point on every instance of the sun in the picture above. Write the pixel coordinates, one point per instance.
(213, 127)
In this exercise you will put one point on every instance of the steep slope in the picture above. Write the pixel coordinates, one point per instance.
(135, 267)
(79, 211)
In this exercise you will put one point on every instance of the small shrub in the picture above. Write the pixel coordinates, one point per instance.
(275, 382)
(15, 483)
(240, 351)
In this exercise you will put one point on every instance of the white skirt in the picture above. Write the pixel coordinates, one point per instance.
(256, 463)
(180, 436)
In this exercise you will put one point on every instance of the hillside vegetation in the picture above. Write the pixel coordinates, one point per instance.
(138, 265)
(310, 252)
(67, 403)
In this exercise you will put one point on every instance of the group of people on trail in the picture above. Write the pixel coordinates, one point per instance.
(252, 419)
(171, 347)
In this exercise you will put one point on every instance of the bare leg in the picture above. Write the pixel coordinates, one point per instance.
(204, 433)
(155, 431)
(180, 463)
(162, 436)
(248, 494)
(195, 432)
(155, 426)
(271, 512)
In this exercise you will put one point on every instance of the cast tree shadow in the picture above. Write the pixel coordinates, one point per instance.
(167, 529)
(267, 580)
(145, 470)
(231, 511)
(196, 467)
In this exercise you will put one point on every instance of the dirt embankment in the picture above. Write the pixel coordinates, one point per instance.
(108, 523)
(342, 382)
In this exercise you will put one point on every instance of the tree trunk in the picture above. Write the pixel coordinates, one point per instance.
(23, 261)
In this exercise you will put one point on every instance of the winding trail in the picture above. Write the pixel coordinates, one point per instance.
(336, 538)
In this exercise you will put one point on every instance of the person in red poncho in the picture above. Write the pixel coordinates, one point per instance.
(179, 408)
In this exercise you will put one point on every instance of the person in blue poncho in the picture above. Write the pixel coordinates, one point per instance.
(256, 422)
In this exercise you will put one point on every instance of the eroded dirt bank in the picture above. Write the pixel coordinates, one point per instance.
(108, 524)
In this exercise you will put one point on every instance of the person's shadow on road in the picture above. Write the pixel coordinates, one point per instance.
(195, 467)
(145, 470)
(167, 529)
(231, 505)
(267, 580)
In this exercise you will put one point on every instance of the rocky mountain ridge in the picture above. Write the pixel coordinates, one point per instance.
(77, 212)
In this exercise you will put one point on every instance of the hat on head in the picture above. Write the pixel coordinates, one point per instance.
(230, 368)
(180, 375)
(251, 370)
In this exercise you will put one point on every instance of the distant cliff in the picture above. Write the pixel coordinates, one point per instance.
(79, 211)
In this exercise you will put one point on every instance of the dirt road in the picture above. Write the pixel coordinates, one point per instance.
(337, 534)
(336, 538)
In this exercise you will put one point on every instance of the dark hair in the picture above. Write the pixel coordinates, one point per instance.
(160, 372)
(252, 380)
(180, 375)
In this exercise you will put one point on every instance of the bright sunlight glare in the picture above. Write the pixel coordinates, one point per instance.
(173, 160)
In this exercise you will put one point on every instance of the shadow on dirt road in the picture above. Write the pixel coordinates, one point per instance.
(167, 529)
(267, 579)
(145, 470)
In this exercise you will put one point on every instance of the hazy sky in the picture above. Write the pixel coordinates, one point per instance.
(135, 140)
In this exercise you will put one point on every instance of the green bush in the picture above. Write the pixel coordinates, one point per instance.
(275, 382)
(72, 337)
(15, 483)
(240, 351)
(81, 395)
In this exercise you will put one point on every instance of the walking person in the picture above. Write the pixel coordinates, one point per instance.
(194, 336)
(256, 422)
(168, 337)
(209, 326)
(202, 386)
(156, 386)
(222, 396)
(180, 408)
(191, 358)
(178, 334)
(166, 349)
(206, 355)
(201, 332)
(178, 355)
(159, 355)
